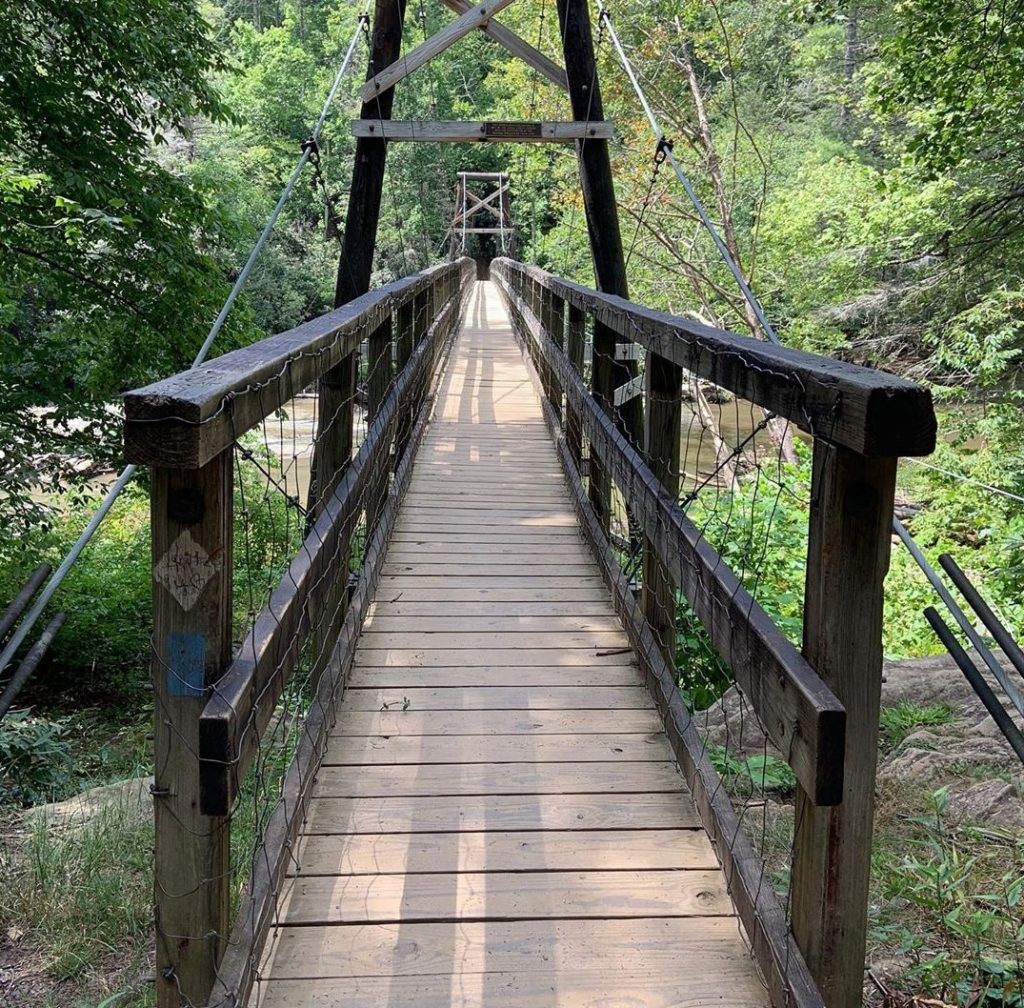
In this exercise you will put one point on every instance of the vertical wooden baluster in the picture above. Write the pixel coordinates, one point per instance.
(847, 559)
(192, 585)
(543, 313)
(576, 337)
(377, 387)
(556, 319)
(663, 382)
(403, 351)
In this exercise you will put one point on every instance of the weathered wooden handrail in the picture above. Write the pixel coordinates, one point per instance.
(184, 421)
(212, 706)
(244, 699)
(803, 718)
(869, 412)
(819, 708)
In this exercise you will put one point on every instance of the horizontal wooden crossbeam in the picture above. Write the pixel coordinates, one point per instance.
(476, 132)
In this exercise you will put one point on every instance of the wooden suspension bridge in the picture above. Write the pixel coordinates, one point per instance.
(498, 796)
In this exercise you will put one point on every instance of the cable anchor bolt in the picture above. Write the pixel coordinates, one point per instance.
(661, 152)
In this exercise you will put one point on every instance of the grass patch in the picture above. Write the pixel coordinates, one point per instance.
(946, 904)
(905, 718)
(79, 896)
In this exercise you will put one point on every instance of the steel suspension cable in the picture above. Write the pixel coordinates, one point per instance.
(127, 474)
(684, 181)
(899, 528)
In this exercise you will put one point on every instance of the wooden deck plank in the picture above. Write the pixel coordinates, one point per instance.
(567, 987)
(388, 622)
(460, 677)
(552, 589)
(477, 896)
(652, 945)
(450, 779)
(507, 698)
(486, 813)
(520, 640)
(405, 721)
(501, 562)
(498, 819)
(491, 609)
(355, 750)
(497, 657)
(599, 850)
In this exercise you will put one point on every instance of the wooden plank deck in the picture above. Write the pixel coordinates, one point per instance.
(499, 820)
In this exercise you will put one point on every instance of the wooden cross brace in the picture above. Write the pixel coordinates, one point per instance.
(483, 203)
(470, 19)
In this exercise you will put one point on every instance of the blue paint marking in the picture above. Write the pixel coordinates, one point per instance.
(186, 664)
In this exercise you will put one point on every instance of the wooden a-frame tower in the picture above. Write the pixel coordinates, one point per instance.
(375, 128)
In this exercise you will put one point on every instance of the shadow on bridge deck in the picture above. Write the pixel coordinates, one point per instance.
(499, 819)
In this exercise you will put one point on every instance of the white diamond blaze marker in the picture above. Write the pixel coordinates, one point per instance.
(185, 570)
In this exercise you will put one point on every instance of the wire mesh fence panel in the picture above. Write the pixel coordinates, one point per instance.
(277, 472)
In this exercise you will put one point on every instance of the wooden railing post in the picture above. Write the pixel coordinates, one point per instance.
(847, 559)
(544, 313)
(333, 450)
(602, 383)
(421, 323)
(576, 335)
(192, 581)
(664, 411)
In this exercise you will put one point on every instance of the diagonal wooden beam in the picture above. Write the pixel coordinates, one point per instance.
(484, 203)
(474, 18)
(519, 47)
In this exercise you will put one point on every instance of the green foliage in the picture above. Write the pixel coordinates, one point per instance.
(104, 647)
(104, 282)
(35, 759)
(971, 950)
(905, 717)
(760, 529)
(752, 775)
(953, 72)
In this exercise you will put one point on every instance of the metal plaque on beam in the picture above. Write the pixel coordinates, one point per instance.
(512, 130)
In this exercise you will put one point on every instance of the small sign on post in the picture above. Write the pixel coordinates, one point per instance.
(630, 390)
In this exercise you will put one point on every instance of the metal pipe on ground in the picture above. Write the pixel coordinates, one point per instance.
(13, 612)
(1010, 731)
(30, 663)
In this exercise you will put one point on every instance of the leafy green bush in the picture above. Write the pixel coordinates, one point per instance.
(753, 774)
(961, 924)
(760, 529)
(35, 759)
